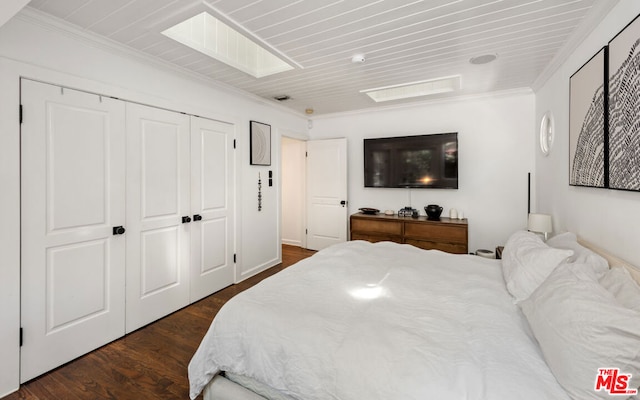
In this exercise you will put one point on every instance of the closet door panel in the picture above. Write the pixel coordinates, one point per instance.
(213, 169)
(214, 253)
(72, 191)
(160, 260)
(160, 168)
(212, 198)
(76, 169)
(158, 197)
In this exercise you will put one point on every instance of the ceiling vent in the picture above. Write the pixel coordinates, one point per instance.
(283, 97)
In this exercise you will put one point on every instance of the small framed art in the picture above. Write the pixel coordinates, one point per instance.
(260, 143)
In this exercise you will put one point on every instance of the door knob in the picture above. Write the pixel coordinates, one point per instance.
(118, 230)
(186, 220)
(197, 217)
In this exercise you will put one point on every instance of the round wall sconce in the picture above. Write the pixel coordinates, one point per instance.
(547, 133)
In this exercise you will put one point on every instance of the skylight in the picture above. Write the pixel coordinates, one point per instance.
(414, 89)
(216, 39)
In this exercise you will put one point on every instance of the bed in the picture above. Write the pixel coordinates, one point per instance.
(388, 321)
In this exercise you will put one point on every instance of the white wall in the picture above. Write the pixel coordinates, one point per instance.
(293, 191)
(608, 218)
(495, 145)
(42, 51)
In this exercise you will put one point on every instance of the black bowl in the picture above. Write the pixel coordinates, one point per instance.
(433, 211)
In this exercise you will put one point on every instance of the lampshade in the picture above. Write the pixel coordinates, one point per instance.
(540, 223)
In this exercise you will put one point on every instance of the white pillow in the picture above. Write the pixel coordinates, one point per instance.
(619, 282)
(580, 328)
(581, 254)
(527, 261)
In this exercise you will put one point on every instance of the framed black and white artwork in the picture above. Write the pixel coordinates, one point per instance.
(587, 123)
(260, 143)
(624, 108)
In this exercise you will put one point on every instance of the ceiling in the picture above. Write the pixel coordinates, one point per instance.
(402, 41)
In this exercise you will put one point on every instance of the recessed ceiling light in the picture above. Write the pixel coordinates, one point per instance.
(483, 59)
(212, 37)
(414, 89)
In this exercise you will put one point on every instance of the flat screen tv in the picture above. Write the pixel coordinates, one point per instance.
(423, 161)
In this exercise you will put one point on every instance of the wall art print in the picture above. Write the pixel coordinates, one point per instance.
(587, 123)
(260, 143)
(624, 108)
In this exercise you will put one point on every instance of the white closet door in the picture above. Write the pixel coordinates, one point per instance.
(73, 267)
(212, 176)
(158, 185)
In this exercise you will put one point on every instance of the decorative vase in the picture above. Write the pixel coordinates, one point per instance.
(433, 211)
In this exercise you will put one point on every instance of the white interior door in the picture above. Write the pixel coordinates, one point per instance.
(326, 192)
(158, 186)
(73, 267)
(212, 199)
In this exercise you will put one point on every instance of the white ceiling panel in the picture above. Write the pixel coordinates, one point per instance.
(89, 14)
(132, 12)
(58, 8)
(402, 41)
(278, 10)
(322, 20)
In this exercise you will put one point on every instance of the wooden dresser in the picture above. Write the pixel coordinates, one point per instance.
(450, 235)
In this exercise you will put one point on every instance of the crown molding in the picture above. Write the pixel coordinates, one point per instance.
(597, 13)
(51, 23)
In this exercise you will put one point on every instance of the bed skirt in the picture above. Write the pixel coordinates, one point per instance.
(221, 388)
(231, 386)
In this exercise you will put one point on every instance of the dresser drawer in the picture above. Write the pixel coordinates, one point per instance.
(373, 238)
(376, 226)
(436, 232)
(455, 248)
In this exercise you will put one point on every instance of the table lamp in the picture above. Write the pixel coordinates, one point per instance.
(540, 223)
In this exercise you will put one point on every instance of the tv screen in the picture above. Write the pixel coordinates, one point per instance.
(423, 161)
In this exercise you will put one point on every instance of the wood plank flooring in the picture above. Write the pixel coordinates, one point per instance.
(150, 363)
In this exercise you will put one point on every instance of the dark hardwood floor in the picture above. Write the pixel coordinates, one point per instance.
(150, 363)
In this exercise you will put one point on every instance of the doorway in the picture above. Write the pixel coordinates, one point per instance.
(314, 192)
(293, 191)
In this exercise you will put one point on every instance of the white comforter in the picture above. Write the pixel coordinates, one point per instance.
(379, 321)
